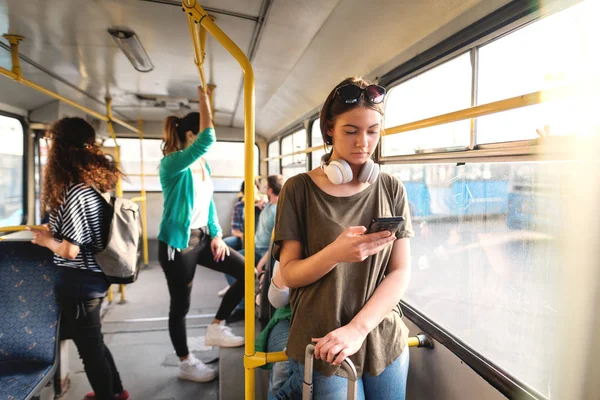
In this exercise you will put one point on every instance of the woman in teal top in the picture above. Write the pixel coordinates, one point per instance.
(190, 234)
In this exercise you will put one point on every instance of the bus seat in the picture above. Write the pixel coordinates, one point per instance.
(29, 320)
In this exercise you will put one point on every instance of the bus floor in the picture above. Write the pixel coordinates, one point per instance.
(137, 334)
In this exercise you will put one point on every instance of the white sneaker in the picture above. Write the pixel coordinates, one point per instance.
(221, 335)
(195, 370)
(222, 292)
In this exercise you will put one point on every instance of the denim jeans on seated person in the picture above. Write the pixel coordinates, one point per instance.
(277, 341)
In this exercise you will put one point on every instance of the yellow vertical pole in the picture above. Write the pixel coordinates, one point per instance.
(199, 15)
(119, 189)
(143, 186)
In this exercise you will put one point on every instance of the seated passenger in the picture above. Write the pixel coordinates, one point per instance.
(190, 235)
(266, 221)
(236, 241)
(275, 335)
(76, 218)
(264, 230)
(345, 284)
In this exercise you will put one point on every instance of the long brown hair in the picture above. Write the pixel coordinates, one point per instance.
(74, 158)
(332, 107)
(175, 129)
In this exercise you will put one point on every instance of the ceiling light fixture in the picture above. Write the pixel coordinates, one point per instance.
(130, 44)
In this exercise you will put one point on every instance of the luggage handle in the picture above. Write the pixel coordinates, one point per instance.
(307, 385)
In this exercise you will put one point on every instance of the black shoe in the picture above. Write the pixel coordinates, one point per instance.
(236, 315)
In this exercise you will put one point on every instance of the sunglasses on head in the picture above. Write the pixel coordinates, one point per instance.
(351, 93)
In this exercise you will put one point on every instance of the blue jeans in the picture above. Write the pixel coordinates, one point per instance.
(389, 385)
(258, 254)
(234, 242)
(277, 341)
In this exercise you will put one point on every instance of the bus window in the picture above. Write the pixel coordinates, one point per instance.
(292, 165)
(130, 163)
(555, 51)
(11, 171)
(316, 140)
(486, 266)
(421, 97)
(41, 155)
(226, 162)
(273, 165)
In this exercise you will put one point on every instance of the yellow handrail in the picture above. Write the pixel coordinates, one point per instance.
(17, 76)
(143, 196)
(199, 15)
(511, 103)
(19, 228)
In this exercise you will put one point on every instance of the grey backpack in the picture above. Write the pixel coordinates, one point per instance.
(119, 260)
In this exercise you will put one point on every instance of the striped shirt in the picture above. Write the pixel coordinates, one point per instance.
(78, 220)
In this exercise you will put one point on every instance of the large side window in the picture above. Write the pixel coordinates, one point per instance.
(11, 171)
(42, 145)
(273, 165)
(292, 165)
(316, 140)
(555, 51)
(226, 162)
(485, 260)
(440, 90)
(130, 151)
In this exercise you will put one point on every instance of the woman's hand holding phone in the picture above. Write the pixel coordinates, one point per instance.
(353, 245)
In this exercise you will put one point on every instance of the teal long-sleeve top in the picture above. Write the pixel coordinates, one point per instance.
(178, 193)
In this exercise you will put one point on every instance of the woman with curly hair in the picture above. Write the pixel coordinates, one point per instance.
(75, 167)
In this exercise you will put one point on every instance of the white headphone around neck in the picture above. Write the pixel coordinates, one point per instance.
(339, 171)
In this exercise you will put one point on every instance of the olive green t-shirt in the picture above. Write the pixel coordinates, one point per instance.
(314, 218)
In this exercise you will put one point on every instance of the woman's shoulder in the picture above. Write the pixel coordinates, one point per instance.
(391, 183)
(296, 181)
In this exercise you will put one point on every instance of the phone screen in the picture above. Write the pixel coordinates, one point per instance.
(391, 224)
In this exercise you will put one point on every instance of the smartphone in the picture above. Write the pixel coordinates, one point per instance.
(391, 224)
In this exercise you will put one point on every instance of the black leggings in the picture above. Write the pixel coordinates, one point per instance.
(80, 321)
(180, 276)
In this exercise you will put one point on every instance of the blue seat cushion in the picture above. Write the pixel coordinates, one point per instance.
(19, 379)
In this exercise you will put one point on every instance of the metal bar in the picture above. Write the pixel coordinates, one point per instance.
(144, 202)
(512, 103)
(192, 8)
(493, 107)
(474, 92)
(20, 228)
(306, 151)
(17, 76)
(54, 76)
(198, 50)
(212, 10)
(212, 176)
(278, 356)
(119, 188)
(140, 199)
(157, 319)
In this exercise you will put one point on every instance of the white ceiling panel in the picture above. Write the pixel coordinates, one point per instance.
(356, 39)
(72, 41)
(303, 49)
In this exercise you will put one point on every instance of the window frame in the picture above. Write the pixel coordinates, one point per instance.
(500, 23)
(505, 20)
(278, 140)
(289, 132)
(257, 160)
(25, 126)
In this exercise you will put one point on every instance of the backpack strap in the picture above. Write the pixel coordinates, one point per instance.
(105, 196)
